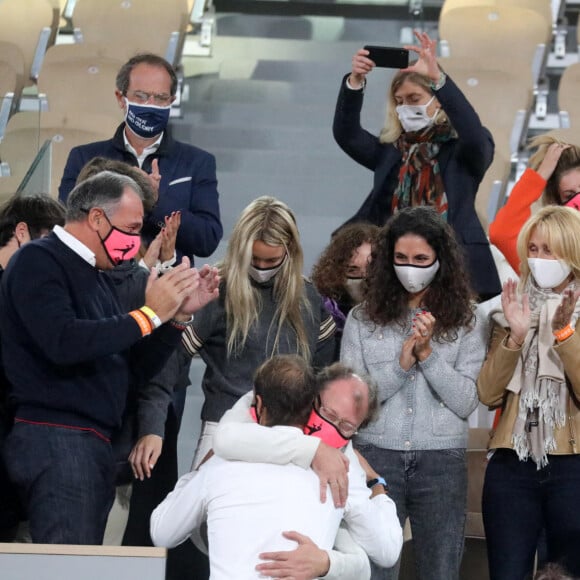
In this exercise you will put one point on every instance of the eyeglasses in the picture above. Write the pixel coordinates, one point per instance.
(345, 427)
(142, 98)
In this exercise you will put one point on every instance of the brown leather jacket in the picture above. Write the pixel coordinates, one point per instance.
(495, 375)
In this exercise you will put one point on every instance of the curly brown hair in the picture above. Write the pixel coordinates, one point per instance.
(329, 273)
(449, 297)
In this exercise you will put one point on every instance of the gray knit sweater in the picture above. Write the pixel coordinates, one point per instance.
(423, 408)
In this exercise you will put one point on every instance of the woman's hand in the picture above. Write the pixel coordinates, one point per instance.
(423, 326)
(169, 235)
(550, 160)
(427, 53)
(563, 314)
(361, 66)
(407, 358)
(516, 314)
(144, 455)
(151, 256)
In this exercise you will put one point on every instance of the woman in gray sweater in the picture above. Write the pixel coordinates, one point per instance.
(417, 335)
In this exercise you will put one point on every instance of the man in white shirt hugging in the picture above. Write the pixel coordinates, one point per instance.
(250, 505)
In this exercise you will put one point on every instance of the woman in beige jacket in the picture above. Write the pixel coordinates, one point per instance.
(532, 372)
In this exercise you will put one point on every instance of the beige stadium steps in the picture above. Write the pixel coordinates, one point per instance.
(570, 135)
(568, 94)
(542, 7)
(496, 93)
(119, 27)
(26, 132)
(500, 34)
(11, 54)
(77, 78)
(31, 25)
(491, 192)
(8, 89)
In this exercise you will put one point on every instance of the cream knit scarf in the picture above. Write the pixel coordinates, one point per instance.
(539, 379)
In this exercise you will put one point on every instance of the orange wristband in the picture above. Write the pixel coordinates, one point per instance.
(145, 325)
(564, 333)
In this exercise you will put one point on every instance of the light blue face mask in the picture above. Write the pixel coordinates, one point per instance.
(146, 120)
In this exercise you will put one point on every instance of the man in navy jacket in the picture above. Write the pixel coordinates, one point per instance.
(184, 176)
(70, 352)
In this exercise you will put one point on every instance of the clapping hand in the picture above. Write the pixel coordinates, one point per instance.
(516, 313)
(154, 178)
(563, 314)
(423, 327)
(204, 291)
(169, 235)
(151, 256)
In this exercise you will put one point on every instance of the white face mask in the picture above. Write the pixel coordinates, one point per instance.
(415, 117)
(262, 275)
(416, 278)
(548, 273)
(354, 289)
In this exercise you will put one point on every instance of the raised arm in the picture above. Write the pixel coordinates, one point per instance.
(362, 146)
(504, 230)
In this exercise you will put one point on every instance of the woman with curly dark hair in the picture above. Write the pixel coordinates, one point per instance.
(417, 335)
(341, 269)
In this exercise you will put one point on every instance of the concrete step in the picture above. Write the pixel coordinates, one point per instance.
(271, 91)
(314, 28)
(266, 114)
(328, 195)
(282, 162)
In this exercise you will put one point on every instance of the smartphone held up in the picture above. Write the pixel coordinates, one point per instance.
(388, 56)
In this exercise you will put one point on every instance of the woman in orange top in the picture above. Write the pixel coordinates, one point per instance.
(554, 170)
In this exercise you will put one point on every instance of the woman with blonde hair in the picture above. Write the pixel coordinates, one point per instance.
(553, 174)
(433, 151)
(266, 307)
(532, 371)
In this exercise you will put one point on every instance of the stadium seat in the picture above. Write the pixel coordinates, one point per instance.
(31, 26)
(542, 7)
(126, 27)
(77, 78)
(26, 132)
(497, 34)
(480, 81)
(11, 82)
(568, 94)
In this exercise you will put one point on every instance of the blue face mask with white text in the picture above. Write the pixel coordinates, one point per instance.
(146, 120)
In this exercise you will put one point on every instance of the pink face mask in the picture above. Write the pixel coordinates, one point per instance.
(574, 202)
(120, 245)
(318, 426)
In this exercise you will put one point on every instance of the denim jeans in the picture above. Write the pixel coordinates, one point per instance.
(518, 501)
(66, 479)
(429, 487)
